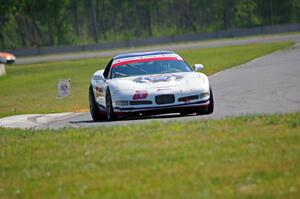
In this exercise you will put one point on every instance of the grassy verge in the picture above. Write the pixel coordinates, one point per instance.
(32, 88)
(244, 157)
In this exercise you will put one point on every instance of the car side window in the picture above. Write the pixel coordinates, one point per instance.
(107, 69)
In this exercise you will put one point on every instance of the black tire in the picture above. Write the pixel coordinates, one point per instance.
(210, 108)
(109, 107)
(96, 113)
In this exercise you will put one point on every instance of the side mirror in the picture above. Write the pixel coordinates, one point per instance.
(198, 67)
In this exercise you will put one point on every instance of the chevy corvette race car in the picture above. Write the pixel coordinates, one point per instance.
(7, 58)
(149, 83)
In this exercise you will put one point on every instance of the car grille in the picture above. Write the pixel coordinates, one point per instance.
(164, 99)
(188, 98)
(141, 102)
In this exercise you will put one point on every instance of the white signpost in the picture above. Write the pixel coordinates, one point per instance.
(63, 88)
(2, 70)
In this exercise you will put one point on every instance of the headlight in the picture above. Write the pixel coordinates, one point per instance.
(122, 103)
(204, 95)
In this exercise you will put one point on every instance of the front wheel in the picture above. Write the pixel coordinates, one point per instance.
(211, 104)
(109, 107)
(96, 113)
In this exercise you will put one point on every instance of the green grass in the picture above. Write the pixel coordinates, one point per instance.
(244, 157)
(32, 88)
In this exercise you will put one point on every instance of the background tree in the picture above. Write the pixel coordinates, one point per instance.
(32, 23)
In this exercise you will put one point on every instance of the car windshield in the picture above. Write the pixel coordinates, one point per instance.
(149, 68)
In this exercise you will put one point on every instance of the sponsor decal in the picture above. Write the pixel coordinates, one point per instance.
(140, 95)
(99, 91)
(158, 78)
(163, 89)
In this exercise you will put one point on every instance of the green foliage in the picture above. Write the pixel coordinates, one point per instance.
(244, 157)
(32, 88)
(246, 14)
(34, 23)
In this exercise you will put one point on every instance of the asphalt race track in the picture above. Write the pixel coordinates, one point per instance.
(270, 84)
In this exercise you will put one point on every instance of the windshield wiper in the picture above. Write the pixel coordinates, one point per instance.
(120, 74)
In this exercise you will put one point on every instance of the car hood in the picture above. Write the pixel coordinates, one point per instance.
(190, 79)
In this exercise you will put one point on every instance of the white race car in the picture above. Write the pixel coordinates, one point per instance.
(7, 58)
(149, 83)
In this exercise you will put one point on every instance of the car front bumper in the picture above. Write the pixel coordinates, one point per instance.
(155, 110)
